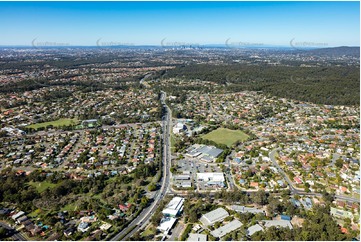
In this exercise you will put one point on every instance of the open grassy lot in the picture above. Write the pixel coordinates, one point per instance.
(35, 213)
(70, 207)
(150, 230)
(56, 123)
(42, 186)
(226, 136)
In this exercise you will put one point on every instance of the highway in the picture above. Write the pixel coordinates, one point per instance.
(272, 156)
(143, 218)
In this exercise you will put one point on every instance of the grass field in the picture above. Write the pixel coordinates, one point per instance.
(35, 213)
(56, 123)
(226, 136)
(70, 207)
(149, 231)
(42, 186)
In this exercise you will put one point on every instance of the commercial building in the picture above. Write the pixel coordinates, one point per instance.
(166, 224)
(254, 229)
(181, 177)
(197, 237)
(214, 216)
(174, 207)
(243, 209)
(179, 127)
(277, 223)
(211, 178)
(184, 184)
(204, 152)
(222, 231)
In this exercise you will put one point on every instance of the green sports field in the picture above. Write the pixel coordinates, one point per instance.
(226, 136)
(56, 123)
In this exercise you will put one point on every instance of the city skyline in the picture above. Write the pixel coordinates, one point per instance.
(239, 24)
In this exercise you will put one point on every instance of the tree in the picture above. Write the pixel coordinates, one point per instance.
(259, 197)
(274, 206)
(152, 187)
(3, 233)
(307, 187)
(339, 163)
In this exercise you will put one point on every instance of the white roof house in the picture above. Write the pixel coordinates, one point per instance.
(214, 216)
(222, 231)
(174, 207)
(18, 215)
(197, 237)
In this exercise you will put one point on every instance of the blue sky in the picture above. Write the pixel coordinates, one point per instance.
(148, 23)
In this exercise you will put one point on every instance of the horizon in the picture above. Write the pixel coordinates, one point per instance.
(174, 24)
(221, 46)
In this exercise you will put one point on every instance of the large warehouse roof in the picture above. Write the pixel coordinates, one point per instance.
(210, 151)
(214, 216)
(204, 150)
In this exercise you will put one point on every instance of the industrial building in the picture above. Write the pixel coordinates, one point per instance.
(214, 216)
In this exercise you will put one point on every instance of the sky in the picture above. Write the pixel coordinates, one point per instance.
(173, 23)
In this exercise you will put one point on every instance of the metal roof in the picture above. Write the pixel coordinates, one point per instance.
(254, 229)
(197, 237)
(222, 231)
(214, 216)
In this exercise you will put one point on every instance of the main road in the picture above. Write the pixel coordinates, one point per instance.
(272, 156)
(142, 219)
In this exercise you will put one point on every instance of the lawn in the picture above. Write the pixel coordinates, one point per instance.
(149, 231)
(70, 207)
(42, 186)
(56, 123)
(226, 136)
(172, 142)
(35, 213)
